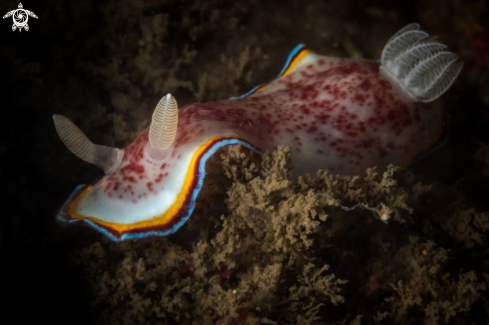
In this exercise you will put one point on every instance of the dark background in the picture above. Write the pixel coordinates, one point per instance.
(105, 64)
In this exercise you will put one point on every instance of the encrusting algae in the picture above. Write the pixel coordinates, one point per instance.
(282, 252)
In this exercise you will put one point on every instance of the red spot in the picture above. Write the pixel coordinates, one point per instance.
(308, 92)
(149, 185)
(312, 129)
(159, 178)
(365, 85)
(320, 151)
(163, 166)
(359, 98)
(323, 118)
(108, 187)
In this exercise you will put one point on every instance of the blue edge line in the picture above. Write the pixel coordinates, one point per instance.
(193, 198)
(292, 54)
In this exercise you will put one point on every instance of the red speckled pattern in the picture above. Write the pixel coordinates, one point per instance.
(335, 114)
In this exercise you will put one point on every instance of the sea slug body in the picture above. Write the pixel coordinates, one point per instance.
(339, 114)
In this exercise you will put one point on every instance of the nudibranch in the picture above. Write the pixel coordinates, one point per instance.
(339, 114)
